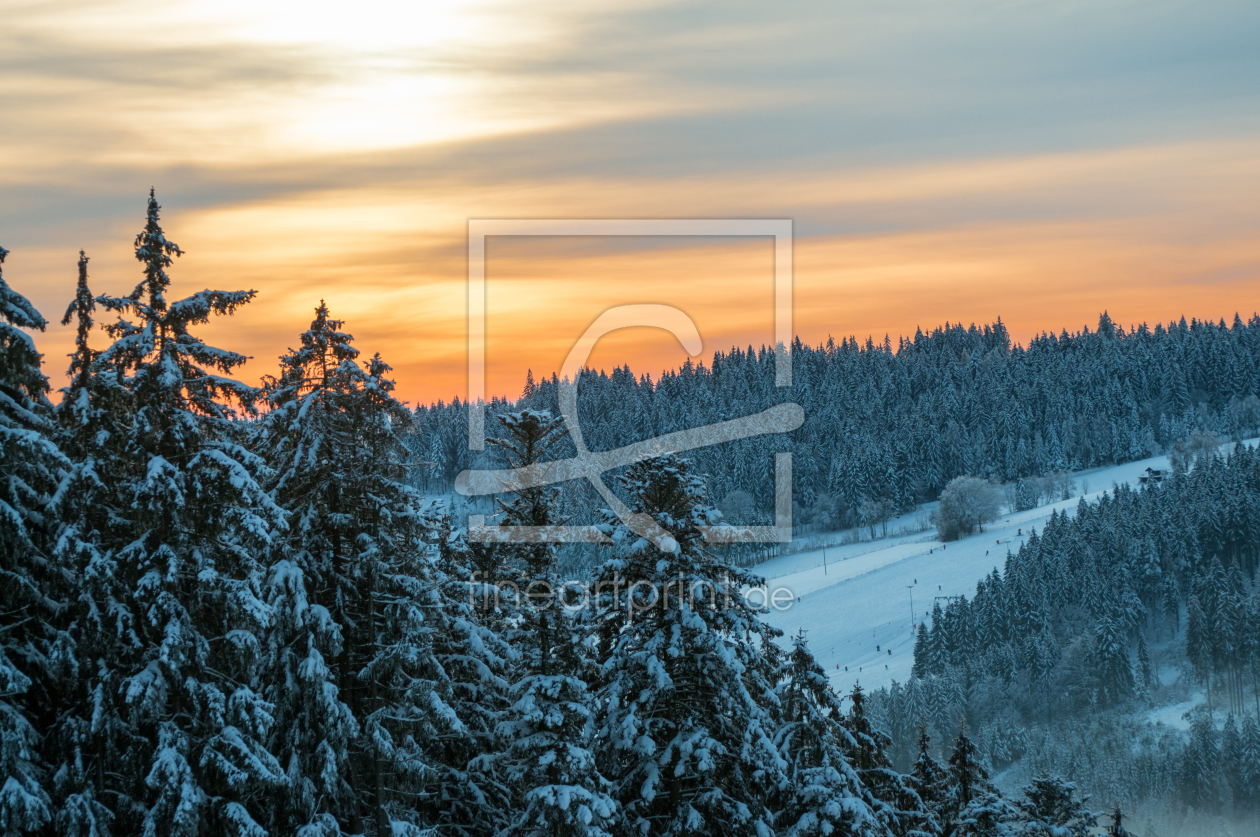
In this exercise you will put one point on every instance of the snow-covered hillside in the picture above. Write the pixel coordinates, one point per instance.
(858, 608)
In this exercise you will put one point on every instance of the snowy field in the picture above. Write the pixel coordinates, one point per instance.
(857, 608)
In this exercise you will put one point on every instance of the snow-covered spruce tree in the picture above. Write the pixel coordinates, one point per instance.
(1145, 675)
(1202, 785)
(686, 721)
(95, 404)
(896, 804)
(31, 467)
(1116, 828)
(968, 780)
(75, 412)
(546, 731)
(1113, 671)
(399, 687)
(97, 642)
(94, 413)
(988, 815)
(529, 437)
(1052, 809)
(823, 793)
(309, 443)
(921, 652)
(365, 651)
(197, 523)
(468, 798)
(973, 806)
(1231, 759)
(929, 778)
(1247, 802)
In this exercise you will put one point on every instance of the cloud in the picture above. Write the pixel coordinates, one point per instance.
(1037, 161)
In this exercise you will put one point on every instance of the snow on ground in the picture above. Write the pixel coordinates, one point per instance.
(857, 608)
(1173, 715)
(1177, 715)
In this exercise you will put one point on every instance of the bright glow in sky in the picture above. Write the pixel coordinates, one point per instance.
(1041, 163)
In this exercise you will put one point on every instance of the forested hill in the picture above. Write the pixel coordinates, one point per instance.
(898, 424)
(228, 610)
(1056, 660)
(217, 619)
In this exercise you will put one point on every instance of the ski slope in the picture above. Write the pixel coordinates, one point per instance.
(857, 608)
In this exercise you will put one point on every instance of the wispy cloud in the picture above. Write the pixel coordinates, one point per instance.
(1036, 161)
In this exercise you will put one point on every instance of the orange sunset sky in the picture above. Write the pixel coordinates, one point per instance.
(940, 162)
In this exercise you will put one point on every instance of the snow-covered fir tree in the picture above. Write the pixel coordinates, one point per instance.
(1145, 674)
(969, 781)
(367, 647)
(929, 778)
(306, 438)
(546, 732)
(988, 815)
(1115, 828)
(823, 793)
(687, 709)
(895, 802)
(98, 638)
(1201, 777)
(197, 522)
(1247, 795)
(1052, 808)
(31, 467)
(1114, 672)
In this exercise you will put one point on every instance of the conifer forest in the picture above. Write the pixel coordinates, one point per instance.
(242, 610)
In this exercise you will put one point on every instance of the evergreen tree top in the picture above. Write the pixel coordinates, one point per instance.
(155, 252)
(1116, 828)
(81, 309)
(1052, 804)
(325, 347)
(668, 490)
(171, 365)
(970, 777)
(807, 693)
(20, 376)
(15, 308)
